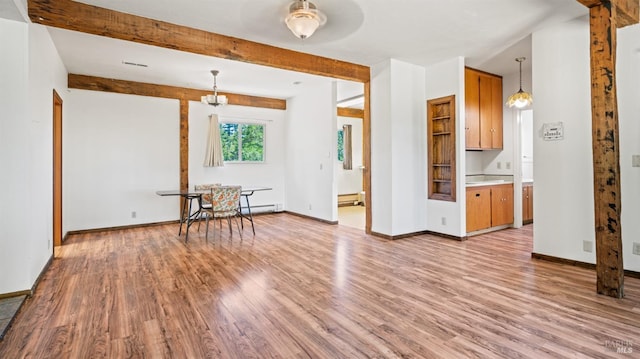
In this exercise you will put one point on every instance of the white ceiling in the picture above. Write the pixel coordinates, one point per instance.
(490, 34)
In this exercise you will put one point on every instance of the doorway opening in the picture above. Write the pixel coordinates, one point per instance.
(350, 169)
(57, 171)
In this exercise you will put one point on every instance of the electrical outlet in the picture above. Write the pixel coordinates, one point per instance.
(444, 221)
(48, 244)
(587, 246)
(133, 214)
(635, 161)
(309, 206)
(508, 165)
(499, 165)
(636, 248)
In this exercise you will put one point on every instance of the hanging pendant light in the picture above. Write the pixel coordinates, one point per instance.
(304, 18)
(521, 98)
(215, 99)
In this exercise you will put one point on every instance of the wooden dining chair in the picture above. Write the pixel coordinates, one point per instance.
(204, 204)
(224, 204)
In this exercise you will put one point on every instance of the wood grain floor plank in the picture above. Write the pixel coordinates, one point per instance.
(304, 289)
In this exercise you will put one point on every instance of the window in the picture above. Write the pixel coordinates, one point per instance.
(242, 142)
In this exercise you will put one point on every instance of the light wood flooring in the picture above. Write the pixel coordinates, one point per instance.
(352, 216)
(305, 289)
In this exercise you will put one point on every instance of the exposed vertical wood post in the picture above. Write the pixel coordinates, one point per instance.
(605, 140)
(606, 152)
(184, 147)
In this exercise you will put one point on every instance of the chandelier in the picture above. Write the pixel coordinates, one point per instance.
(304, 18)
(215, 99)
(521, 98)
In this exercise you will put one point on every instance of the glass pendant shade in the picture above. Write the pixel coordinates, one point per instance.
(214, 100)
(304, 19)
(520, 99)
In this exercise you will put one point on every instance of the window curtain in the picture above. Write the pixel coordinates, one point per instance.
(213, 157)
(347, 163)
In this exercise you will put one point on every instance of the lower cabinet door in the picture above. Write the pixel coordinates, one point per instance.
(501, 205)
(478, 201)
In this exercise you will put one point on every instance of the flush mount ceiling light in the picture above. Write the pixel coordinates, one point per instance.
(215, 99)
(520, 99)
(304, 18)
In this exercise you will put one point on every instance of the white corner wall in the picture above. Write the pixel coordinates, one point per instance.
(350, 181)
(267, 174)
(15, 155)
(563, 198)
(30, 69)
(398, 140)
(381, 142)
(118, 150)
(628, 82)
(310, 142)
(444, 79)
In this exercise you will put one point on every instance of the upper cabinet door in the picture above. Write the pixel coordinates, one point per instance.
(496, 112)
(486, 111)
(483, 109)
(472, 109)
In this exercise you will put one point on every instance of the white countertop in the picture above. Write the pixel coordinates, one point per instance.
(487, 180)
(487, 183)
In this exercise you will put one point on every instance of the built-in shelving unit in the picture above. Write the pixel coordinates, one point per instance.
(441, 141)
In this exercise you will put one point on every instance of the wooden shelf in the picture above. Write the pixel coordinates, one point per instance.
(441, 149)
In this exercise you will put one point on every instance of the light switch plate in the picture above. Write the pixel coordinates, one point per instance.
(636, 248)
(635, 161)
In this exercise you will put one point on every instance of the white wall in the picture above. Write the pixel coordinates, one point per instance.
(444, 79)
(267, 174)
(14, 154)
(310, 143)
(628, 82)
(398, 126)
(30, 69)
(118, 151)
(409, 151)
(563, 197)
(350, 181)
(527, 135)
(381, 146)
(474, 163)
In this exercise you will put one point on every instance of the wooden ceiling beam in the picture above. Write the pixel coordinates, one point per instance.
(350, 112)
(94, 83)
(71, 15)
(627, 11)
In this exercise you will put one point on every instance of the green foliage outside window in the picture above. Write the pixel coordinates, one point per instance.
(340, 145)
(252, 143)
(242, 142)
